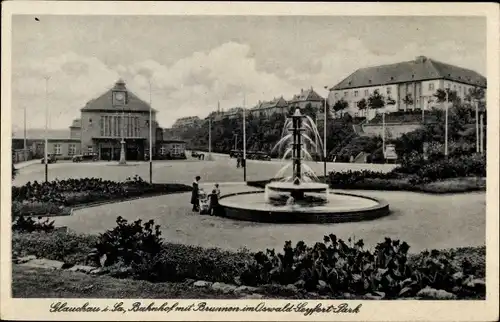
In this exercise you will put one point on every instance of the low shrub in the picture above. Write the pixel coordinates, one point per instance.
(56, 197)
(129, 243)
(29, 224)
(55, 245)
(351, 177)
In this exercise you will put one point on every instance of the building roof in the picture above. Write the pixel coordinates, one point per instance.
(422, 68)
(104, 101)
(276, 102)
(308, 95)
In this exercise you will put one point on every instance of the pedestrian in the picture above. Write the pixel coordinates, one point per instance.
(238, 161)
(195, 196)
(214, 203)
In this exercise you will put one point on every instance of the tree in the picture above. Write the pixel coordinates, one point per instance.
(440, 96)
(340, 105)
(408, 99)
(362, 105)
(376, 101)
(309, 110)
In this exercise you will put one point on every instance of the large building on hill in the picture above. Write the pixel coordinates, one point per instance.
(409, 85)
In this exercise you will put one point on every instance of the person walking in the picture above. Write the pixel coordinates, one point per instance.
(195, 197)
(238, 161)
(214, 203)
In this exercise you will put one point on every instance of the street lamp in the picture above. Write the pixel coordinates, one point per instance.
(150, 135)
(324, 134)
(46, 128)
(244, 140)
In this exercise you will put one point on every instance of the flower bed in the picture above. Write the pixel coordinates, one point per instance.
(331, 267)
(58, 197)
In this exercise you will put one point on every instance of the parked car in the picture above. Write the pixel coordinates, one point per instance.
(197, 155)
(262, 156)
(51, 159)
(234, 153)
(85, 157)
(77, 158)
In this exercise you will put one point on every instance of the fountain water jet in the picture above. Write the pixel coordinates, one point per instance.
(299, 197)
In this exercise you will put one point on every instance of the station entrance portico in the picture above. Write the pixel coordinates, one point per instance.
(109, 149)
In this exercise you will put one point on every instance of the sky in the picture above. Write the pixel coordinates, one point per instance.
(196, 61)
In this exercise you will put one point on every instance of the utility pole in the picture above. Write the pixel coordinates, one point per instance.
(324, 135)
(244, 141)
(383, 136)
(25, 145)
(46, 154)
(482, 133)
(477, 126)
(446, 127)
(150, 135)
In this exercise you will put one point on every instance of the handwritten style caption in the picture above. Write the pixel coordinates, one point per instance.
(304, 308)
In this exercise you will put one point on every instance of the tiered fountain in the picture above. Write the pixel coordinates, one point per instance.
(300, 197)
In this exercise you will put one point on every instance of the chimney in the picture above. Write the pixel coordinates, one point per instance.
(420, 59)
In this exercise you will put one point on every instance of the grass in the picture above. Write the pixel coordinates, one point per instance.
(43, 283)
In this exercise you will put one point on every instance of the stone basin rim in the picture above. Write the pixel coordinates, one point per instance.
(381, 203)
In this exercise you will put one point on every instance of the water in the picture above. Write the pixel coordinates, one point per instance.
(334, 203)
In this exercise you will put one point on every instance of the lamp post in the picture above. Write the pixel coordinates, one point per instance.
(123, 159)
(482, 134)
(446, 127)
(25, 145)
(46, 153)
(244, 141)
(324, 134)
(150, 135)
(477, 126)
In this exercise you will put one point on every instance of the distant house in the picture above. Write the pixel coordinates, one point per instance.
(277, 105)
(307, 97)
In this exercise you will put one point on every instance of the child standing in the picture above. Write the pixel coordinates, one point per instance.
(214, 203)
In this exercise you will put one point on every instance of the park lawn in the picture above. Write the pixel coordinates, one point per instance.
(46, 283)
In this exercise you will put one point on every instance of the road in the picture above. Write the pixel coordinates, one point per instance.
(222, 169)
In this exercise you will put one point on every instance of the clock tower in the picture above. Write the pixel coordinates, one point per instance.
(120, 100)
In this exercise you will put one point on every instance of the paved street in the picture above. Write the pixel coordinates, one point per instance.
(222, 169)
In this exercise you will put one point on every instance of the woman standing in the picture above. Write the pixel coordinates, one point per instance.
(195, 198)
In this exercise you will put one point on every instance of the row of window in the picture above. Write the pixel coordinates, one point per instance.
(389, 90)
(176, 149)
(116, 126)
(71, 149)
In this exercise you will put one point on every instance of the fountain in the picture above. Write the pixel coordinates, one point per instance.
(300, 197)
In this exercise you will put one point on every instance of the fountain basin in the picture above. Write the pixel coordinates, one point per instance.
(340, 207)
(316, 187)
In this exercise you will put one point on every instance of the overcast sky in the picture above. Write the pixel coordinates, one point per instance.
(194, 61)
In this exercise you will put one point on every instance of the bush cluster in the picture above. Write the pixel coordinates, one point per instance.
(54, 196)
(137, 250)
(425, 171)
(335, 267)
(350, 177)
(29, 224)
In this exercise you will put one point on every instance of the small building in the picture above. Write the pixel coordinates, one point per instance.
(308, 97)
(171, 148)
